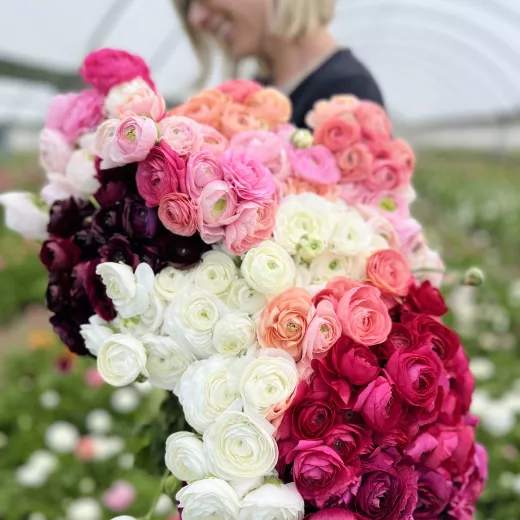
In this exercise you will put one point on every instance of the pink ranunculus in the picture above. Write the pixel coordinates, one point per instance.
(331, 513)
(93, 378)
(254, 223)
(381, 225)
(364, 316)
(239, 89)
(159, 174)
(250, 180)
(178, 214)
(119, 497)
(388, 270)
(143, 102)
(201, 169)
(355, 163)
(349, 441)
(216, 206)
(385, 176)
(374, 122)
(184, 135)
(106, 68)
(55, 151)
(409, 232)
(285, 132)
(434, 492)
(337, 134)
(213, 140)
(381, 405)
(75, 114)
(338, 106)
(265, 147)
(401, 153)
(316, 164)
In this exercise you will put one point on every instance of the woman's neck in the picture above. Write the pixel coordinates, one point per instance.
(290, 61)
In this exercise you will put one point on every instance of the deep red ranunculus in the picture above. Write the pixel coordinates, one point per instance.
(331, 513)
(96, 292)
(401, 337)
(58, 291)
(349, 441)
(434, 494)
(59, 254)
(425, 299)
(354, 362)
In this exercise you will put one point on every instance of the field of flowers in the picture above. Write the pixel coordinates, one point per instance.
(470, 204)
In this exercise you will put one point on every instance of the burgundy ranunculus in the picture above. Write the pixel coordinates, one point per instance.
(331, 513)
(388, 489)
(349, 441)
(125, 174)
(434, 495)
(401, 337)
(68, 331)
(320, 475)
(96, 292)
(354, 362)
(65, 218)
(81, 308)
(87, 243)
(138, 220)
(180, 251)
(58, 291)
(149, 254)
(59, 254)
(117, 249)
(105, 223)
(425, 299)
(111, 193)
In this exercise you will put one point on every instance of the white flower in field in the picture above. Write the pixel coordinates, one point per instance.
(62, 437)
(95, 332)
(273, 501)
(482, 368)
(170, 282)
(119, 94)
(150, 321)
(164, 506)
(167, 361)
(244, 298)
(352, 234)
(125, 400)
(208, 498)
(205, 391)
(43, 461)
(121, 359)
(83, 508)
(268, 381)
(240, 446)
(23, 215)
(55, 151)
(129, 292)
(81, 173)
(498, 419)
(234, 334)
(98, 421)
(50, 399)
(216, 273)
(124, 517)
(185, 457)
(107, 447)
(26, 476)
(191, 318)
(328, 265)
(36, 516)
(268, 268)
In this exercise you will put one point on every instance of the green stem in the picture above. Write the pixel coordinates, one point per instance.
(94, 202)
(151, 511)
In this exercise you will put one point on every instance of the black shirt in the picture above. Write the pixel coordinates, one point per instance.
(342, 73)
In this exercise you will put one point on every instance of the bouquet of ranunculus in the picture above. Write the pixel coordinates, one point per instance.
(274, 281)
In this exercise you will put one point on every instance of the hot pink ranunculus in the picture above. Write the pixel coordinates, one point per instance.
(316, 164)
(184, 135)
(201, 169)
(331, 513)
(178, 214)
(119, 497)
(106, 68)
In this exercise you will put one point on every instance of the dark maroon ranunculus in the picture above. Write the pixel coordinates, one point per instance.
(117, 249)
(181, 252)
(425, 299)
(320, 475)
(138, 220)
(111, 193)
(434, 493)
(81, 308)
(125, 174)
(105, 223)
(331, 513)
(59, 254)
(65, 218)
(388, 489)
(58, 291)
(87, 243)
(68, 331)
(349, 441)
(96, 292)
(401, 337)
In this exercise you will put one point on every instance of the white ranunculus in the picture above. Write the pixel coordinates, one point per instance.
(55, 151)
(62, 437)
(240, 446)
(191, 317)
(208, 498)
(83, 508)
(205, 391)
(328, 265)
(244, 486)
(98, 421)
(352, 234)
(185, 457)
(269, 268)
(124, 517)
(234, 334)
(150, 321)
(267, 381)
(244, 298)
(58, 187)
(129, 292)
(23, 215)
(170, 282)
(304, 225)
(81, 173)
(216, 273)
(121, 359)
(118, 94)
(125, 400)
(95, 332)
(273, 502)
(167, 361)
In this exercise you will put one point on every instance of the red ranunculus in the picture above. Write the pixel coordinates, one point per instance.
(331, 513)
(59, 254)
(401, 337)
(425, 299)
(349, 441)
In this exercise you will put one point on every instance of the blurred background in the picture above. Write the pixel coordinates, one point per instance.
(450, 73)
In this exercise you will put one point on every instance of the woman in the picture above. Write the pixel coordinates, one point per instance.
(289, 39)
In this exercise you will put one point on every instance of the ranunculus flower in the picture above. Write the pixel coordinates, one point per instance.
(381, 405)
(434, 494)
(206, 107)
(374, 122)
(400, 338)
(239, 89)
(106, 68)
(355, 163)
(238, 118)
(331, 513)
(337, 134)
(96, 291)
(68, 332)
(201, 169)
(57, 295)
(182, 134)
(213, 140)
(402, 154)
(24, 216)
(388, 489)
(388, 270)
(95, 332)
(270, 106)
(143, 102)
(320, 475)
(185, 457)
(294, 186)
(139, 221)
(178, 214)
(342, 105)
(425, 299)
(284, 321)
(364, 316)
(316, 164)
(234, 334)
(349, 441)
(81, 174)
(385, 176)
(59, 254)
(55, 151)
(159, 174)
(117, 248)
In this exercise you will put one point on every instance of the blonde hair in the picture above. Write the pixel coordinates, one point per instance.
(289, 19)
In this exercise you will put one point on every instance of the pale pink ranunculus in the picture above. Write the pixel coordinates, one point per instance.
(426, 264)
(239, 89)
(216, 205)
(93, 378)
(374, 123)
(184, 135)
(265, 147)
(144, 102)
(294, 186)
(178, 214)
(55, 151)
(364, 316)
(81, 173)
(285, 132)
(316, 164)
(409, 232)
(213, 140)
(253, 224)
(338, 106)
(250, 179)
(381, 225)
(355, 163)
(402, 154)
(201, 169)
(105, 134)
(119, 497)
(355, 193)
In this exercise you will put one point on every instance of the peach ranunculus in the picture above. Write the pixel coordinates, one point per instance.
(400, 152)
(295, 186)
(374, 122)
(364, 316)
(270, 106)
(144, 102)
(388, 270)
(213, 140)
(355, 163)
(206, 107)
(337, 106)
(284, 321)
(337, 134)
(184, 135)
(178, 214)
(239, 89)
(238, 118)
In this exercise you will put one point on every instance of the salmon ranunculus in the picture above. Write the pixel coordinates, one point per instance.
(337, 134)
(295, 186)
(269, 106)
(388, 270)
(355, 163)
(338, 106)
(178, 214)
(206, 108)
(238, 118)
(285, 320)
